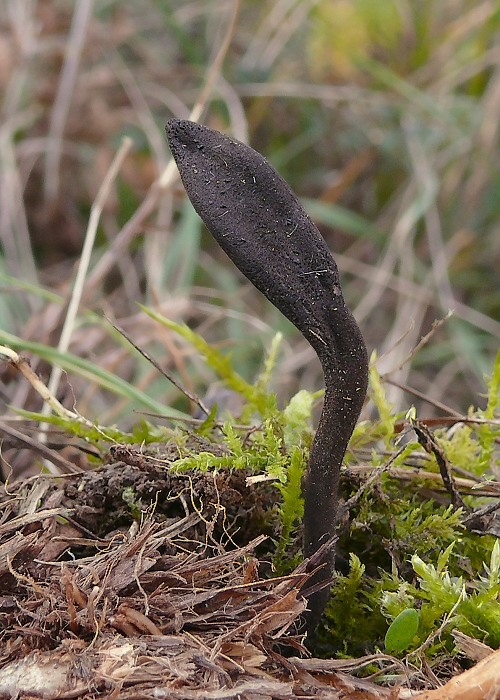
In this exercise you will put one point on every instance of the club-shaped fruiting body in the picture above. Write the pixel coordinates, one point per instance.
(255, 217)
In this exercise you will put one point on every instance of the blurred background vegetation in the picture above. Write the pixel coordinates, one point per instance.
(383, 117)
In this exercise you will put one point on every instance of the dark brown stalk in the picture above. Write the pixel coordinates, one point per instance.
(258, 221)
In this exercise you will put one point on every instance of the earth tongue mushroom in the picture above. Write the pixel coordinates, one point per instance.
(255, 217)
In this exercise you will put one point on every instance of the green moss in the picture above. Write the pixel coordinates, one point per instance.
(411, 557)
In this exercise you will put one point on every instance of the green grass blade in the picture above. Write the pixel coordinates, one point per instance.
(89, 371)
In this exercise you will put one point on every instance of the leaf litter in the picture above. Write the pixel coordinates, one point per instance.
(166, 607)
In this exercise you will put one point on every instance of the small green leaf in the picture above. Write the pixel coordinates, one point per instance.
(402, 630)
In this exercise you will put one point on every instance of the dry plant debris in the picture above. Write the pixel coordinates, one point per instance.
(160, 609)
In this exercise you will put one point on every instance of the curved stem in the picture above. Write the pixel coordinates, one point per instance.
(346, 375)
(255, 217)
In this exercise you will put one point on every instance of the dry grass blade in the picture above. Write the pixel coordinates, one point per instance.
(189, 394)
(431, 446)
(62, 464)
(83, 266)
(149, 203)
